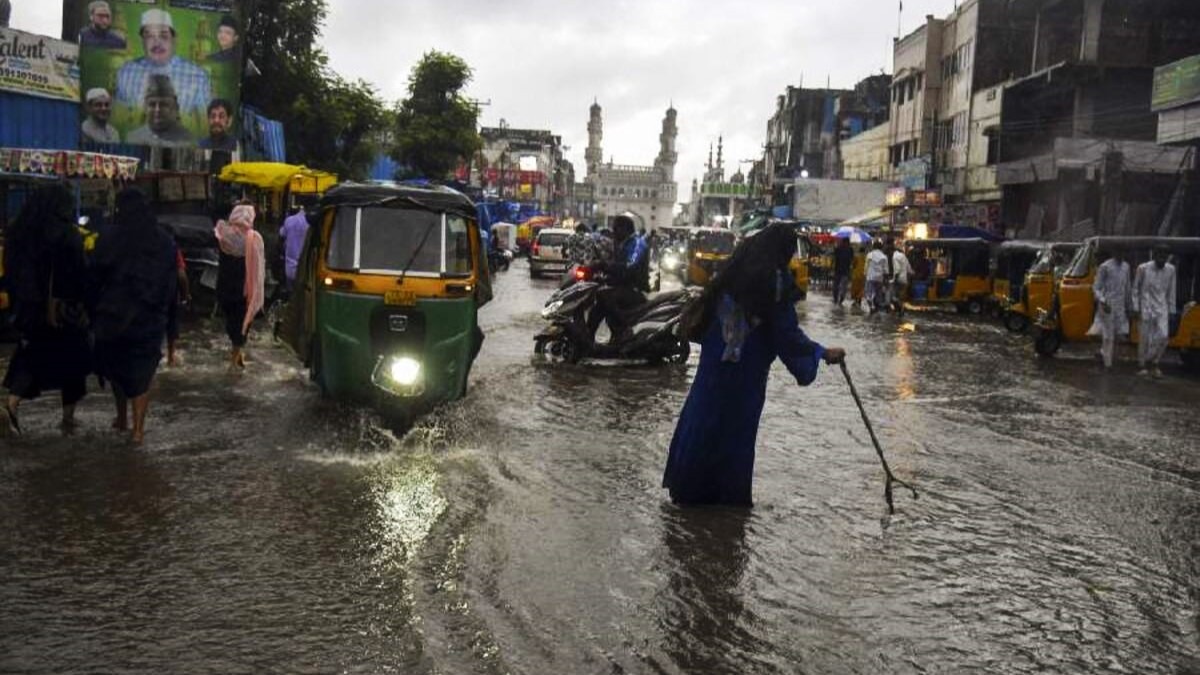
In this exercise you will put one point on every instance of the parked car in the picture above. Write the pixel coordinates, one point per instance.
(547, 253)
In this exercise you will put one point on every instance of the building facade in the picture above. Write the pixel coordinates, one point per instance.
(525, 165)
(1078, 149)
(648, 192)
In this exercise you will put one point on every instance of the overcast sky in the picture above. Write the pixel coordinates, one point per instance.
(541, 62)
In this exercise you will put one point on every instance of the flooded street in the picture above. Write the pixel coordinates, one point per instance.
(524, 530)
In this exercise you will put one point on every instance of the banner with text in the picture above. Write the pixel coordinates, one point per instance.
(38, 66)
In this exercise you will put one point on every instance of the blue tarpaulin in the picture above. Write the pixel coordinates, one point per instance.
(38, 123)
(262, 138)
(965, 232)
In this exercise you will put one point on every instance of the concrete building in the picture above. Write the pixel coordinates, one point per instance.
(1078, 149)
(524, 165)
(916, 88)
(649, 192)
(865, 156)
(856, 112)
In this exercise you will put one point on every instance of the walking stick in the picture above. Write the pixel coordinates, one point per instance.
(891, 478)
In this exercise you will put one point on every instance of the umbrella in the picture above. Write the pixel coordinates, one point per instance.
(855, 235)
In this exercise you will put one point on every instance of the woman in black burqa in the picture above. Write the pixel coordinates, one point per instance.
(749, 321)
(46, 276)
(134, 285)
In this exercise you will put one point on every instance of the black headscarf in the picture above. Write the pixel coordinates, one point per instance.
(134, 271)
(754, 276)
(41, 240)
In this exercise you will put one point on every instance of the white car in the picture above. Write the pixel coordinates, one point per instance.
(548, 254)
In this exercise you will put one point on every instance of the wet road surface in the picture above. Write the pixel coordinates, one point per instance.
(523, 530)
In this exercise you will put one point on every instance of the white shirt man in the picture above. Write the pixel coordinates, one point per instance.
(1112, 292)
(1153, 304)
(877, 273)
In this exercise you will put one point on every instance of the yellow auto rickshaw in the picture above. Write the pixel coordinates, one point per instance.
(800, 265)
(385, 310)
(954, 272)
(1073, 309)
(1038, 290)
(1012, 260)
(708, 249)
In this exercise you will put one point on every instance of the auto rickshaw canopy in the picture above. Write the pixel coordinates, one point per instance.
(275, 176)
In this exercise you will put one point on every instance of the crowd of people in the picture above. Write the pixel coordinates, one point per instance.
(879, 277)
(108, 311)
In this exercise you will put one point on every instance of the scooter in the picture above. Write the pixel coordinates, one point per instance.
(653, 332)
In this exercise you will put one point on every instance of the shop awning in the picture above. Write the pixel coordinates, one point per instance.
(274, 176)
(872, 218)
(33, 163)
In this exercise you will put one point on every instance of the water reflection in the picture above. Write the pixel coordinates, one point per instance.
(705, 621)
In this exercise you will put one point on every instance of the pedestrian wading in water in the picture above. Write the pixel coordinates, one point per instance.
(46, 275)
(748, 322)
(240, 278)
(134, 286)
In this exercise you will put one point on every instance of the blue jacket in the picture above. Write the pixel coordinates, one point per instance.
(631, 268)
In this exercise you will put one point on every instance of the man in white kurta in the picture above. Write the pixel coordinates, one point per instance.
(1153, 304)
(1112, 292)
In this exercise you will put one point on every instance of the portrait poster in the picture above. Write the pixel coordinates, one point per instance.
(159, 72)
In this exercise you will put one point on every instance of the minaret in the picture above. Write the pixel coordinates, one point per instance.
(595, 154)
(667, 156)
(721, 156)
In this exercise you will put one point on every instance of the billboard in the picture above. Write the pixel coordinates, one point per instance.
(159, 72)
(38, 66)
(1176, 84)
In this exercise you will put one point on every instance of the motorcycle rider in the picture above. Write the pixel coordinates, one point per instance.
(626, 278)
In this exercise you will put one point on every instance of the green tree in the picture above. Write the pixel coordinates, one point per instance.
(329, 123)
(436, 126)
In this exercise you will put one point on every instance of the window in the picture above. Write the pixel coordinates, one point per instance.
(386, 240)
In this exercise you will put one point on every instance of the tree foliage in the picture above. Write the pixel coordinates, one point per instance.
(329, 123)
(436, 126)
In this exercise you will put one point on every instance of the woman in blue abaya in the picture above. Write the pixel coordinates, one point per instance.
(750, 320)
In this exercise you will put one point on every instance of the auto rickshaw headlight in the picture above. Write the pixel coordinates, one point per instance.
(405, 371)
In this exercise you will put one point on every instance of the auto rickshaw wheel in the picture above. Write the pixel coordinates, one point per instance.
(974, 307)
(1047, 342)
(1017, 323)
(1191, 360)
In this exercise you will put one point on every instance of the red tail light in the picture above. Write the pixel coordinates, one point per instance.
(536, 248)
(583, 273)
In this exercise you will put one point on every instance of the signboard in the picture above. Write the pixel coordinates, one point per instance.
(160, 72)
(896, 196)
(38, 66)
(1176, 84)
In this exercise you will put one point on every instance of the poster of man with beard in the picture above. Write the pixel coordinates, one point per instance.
(164, 81)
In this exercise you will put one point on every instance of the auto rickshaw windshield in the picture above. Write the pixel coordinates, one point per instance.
(385, 240)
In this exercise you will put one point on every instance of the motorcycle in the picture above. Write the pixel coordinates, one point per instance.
(499, 259)
(652, 333)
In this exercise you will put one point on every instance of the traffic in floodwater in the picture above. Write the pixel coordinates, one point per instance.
(523, 528)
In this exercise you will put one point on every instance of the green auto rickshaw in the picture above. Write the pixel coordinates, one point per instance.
(387, 295)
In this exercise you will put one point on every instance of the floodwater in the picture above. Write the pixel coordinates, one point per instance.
(523, 530)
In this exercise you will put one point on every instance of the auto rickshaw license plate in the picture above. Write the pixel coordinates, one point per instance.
(400, 298)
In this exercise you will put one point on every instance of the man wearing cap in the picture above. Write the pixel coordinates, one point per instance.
(191, 82)
(97, 127)
(162, 125)
(100, 33)
(227, 37)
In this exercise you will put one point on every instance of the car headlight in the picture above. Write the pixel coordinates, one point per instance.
(405, 371)
(551, 308)
(670, 261)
